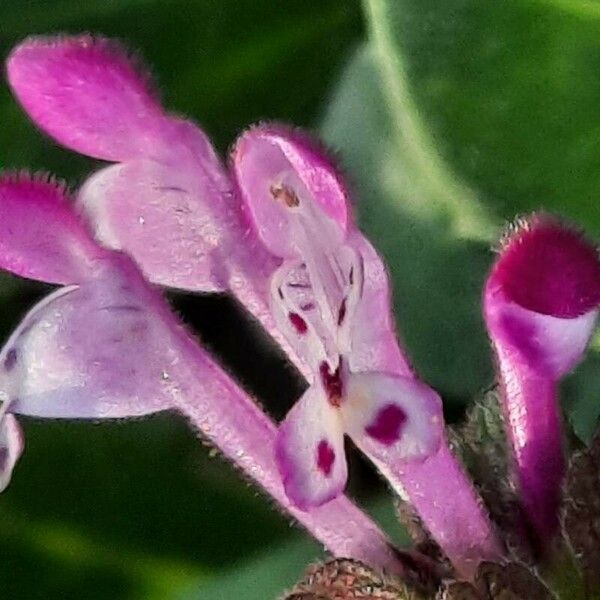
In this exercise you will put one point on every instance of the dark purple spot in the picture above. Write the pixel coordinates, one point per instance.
(550, 269)
(351, 276)
(342, 312)
(325, 457)
(307, 306)
(3, 457)
(388, 424)
(280, 292)
(298, 322)
(332, 382)
(11, 359)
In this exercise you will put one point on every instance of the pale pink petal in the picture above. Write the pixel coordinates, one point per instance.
(40, 235)
(96, 350)
(391, 417)
(88, 94)
(166, 216)
(11, 448)
(551, 346)
(276, 167)
(310, 451)
(374, 341)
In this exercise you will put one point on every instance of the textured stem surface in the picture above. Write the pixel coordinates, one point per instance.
(530, 404)
(448, 507)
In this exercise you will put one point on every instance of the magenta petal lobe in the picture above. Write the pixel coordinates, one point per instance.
(278, 171)
(40, 235)
(87, 93)
(550, 269)
(543, 296)
(91, 351)
(165, 217)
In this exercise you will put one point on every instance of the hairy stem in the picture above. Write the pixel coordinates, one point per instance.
(229, 418)
(534, 430)
(448, 506)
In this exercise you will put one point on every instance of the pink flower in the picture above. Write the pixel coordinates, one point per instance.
(168, 200)
(335, 316)
(541, 305)
(105, 345)
(281, 240)
(169, 203)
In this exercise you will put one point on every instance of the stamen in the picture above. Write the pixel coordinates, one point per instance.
(285, 195)
(353, 280)
(332, 382)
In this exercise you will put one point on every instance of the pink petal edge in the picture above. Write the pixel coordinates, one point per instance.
(40, 235)
(12, 443)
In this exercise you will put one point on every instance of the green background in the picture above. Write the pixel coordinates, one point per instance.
(449, 118)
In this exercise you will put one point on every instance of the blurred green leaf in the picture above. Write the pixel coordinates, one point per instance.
(437, 269)
(456, 117)
(266, 576)
(509, 93)
(263, 578)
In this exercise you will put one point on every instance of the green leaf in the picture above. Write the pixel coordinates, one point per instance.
(265, 577)
(269, 574)
(433, 250)
(456, 117)
(508, 91)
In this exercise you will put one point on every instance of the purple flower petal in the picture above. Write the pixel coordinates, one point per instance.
(549, 269)
(278, 169)
(310, 451)
(92, 351)
(375, 344)
(170, 215)
(543, 295)
(88, 94)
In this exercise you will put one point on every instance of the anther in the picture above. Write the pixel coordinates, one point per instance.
(284, 195)
(332, 382)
